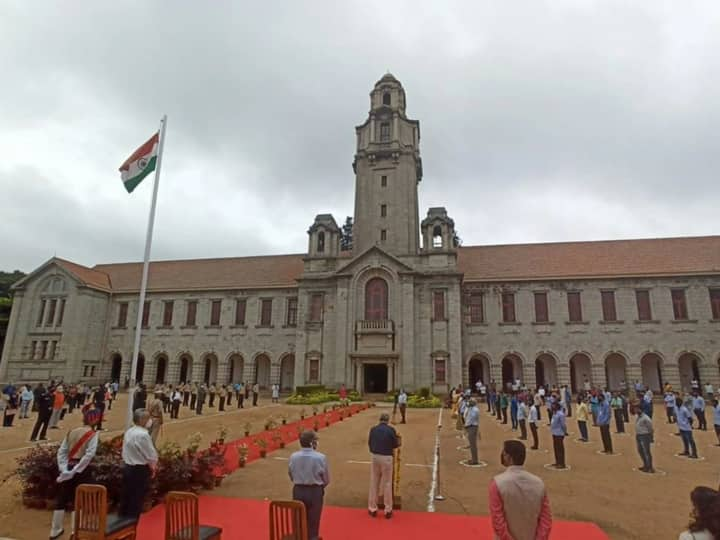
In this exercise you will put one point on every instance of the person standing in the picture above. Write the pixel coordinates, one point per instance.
(58, 403)
(155, 409)
(514, 411)
(256, 393)
(518, 502)
(140, 464)
(471, 417)
(98, 399)
(603, 421)
(275, 393)
(212, 391)
(684, 422)
(44, 401)
(382, 441)
(202, 391)
(699, 410)
(26, 398)
(176, 399)
(669, 406)
(709, 391)
(533, 420)
(229, 391)
(240, 394)
(705, 524)
(558, 429)
(402, 404)
(644, 436)
(522, 414)
(568, 400)
(193, 396)
(716, 419)
(617, 408)
(77, 450)
(582, 418)
(310, 475)
(222, 396)
(139, 397)
(504, 407)
(186, 394)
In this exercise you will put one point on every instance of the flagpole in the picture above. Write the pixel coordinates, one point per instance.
(146, 265)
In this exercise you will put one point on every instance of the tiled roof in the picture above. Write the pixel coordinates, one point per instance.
(608, 258)
(89, 276)
(207, 274)
(512, 262)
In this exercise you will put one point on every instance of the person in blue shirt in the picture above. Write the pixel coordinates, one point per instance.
(684, 422)
(514, 411)
(699, 410)
(603, 421)
(716, 419)
(558, 429)
(670, 407)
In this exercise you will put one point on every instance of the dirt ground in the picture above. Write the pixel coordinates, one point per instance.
(606, 490)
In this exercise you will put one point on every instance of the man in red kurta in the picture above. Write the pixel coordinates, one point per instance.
(519, 506)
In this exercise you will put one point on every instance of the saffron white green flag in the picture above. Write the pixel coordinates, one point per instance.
(141, 163)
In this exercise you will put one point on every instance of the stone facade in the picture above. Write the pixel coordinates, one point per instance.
(407, 307)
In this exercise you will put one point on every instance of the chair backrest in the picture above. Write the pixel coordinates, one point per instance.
(182, 520)
(288, 520)
(90, 512)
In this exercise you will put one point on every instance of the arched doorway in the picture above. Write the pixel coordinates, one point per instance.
(651, 370)
(615, 371)
(161, 362)
(689, 366)
(262, 371)
(185, 368)
(287, 372)
(580, 371)
(237, 366)
(376, 300)
(511, 369)
(116, 368)
(140, 370)
(211, 366)
(545, 370)
(478, 370)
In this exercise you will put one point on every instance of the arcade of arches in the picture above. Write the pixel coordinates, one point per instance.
(651, 369)
(208, 368)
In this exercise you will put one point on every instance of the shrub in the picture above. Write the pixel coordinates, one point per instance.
(418, 402)
(318, 398)
(309, 389)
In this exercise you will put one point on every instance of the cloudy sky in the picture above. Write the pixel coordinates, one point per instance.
(540, 121)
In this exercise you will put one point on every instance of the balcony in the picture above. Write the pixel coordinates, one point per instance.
(375, 336)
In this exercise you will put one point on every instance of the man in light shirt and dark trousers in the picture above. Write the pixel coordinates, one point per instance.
(140, 458)
(402, 405)
(558, 428)
(309, 473)
(472, 423)
(643, 437)
(382, 441)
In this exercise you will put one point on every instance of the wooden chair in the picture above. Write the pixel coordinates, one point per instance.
(182, 519)
(92, 522)
(288, 520)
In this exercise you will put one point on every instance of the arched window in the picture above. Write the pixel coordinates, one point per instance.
(321, 242)
(386, 98)
(376, 300)
(437, 240)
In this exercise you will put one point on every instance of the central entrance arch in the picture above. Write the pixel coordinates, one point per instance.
(161, 368)
(287, 372)
(185, 368)
(262, 371)
(615, 371)
(116, 368)
(580, 371)
(478, 370)
(545, 370)
(650, 367)
(511, 369)
(375, 377)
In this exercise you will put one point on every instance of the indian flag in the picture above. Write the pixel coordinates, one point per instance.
(141, 163)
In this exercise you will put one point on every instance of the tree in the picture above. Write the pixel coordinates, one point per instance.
(6, 281)
(346, 240)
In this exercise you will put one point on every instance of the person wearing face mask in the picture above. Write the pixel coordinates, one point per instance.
(518, 503)
(140, 459)
(310, 475)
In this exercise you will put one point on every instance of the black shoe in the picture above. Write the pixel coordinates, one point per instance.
(694, 456)
(684, 454)
(388, 515)
(372, 513)
(533, 448)
(643, 469)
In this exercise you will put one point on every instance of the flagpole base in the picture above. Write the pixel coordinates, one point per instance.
(439, 498)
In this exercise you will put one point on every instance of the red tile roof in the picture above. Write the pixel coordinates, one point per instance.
(512, 262)
(609, 258)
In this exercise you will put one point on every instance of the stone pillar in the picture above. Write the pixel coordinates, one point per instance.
(563, 374)
(223, 371)
(250, 370)
(599, 378)
(671, 374)
(633, 371)
(275, 372)
(528, 374)
(709, 373)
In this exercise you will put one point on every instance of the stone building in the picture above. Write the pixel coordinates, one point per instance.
(406, 307)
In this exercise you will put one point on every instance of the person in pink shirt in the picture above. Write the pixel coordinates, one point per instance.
(519, 505)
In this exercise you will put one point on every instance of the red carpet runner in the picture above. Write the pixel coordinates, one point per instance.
(248, 518)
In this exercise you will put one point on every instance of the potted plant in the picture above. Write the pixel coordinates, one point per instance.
(327, 420)
(222, 434)
(277, 439)
(248, 428)
(270, 424)
(315, 410)
(316, 425)
(194, 443)
(302, 414)
(262, 445)
(283, 419)
(242, 455)
(326, 408)
(299, 428)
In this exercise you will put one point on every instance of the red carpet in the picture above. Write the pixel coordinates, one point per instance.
(248, 518)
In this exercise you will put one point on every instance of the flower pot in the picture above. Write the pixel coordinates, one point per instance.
(263, 453)
(284, 422)
(327, 424)
(221, 442)
(282, 444)
(241, 463)
(302, 417)
(218, 481)
(247, 433)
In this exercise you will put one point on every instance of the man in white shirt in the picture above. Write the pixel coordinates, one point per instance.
(522, 415)
(709, 391)
(402, 404)
(140, 458)
(533, 421)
